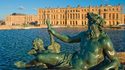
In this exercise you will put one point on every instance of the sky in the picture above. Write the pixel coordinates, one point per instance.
(8, 7)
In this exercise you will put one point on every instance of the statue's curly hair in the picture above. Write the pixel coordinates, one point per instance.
(36, 42)
(97, 19)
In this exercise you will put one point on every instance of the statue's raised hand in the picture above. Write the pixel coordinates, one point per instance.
(48, 24)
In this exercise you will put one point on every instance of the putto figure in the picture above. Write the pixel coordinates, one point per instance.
(96, 49)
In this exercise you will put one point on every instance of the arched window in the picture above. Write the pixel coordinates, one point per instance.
(60, 16)
(54, 16)
(113, 23)
(117, 9)
(109, 9)
(70, 16)
(124, 21)
(113, 16)
(109, 16)
(117, 16)
(84, 9)
(76, 16)
(85, 22)
(63, 22)
(63, 17)
(70, 22)
(113, 9)
(117, 22)
(82, 23)
(76, 23)
(73, 16)
(73, 23)
(104, 15)
(92, 9)
(57, 23)
(105, 9)
(82, 16)
(85, 16)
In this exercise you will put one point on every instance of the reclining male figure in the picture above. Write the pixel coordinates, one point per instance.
(96, 49)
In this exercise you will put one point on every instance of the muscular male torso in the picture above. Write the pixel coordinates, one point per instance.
(91, 52)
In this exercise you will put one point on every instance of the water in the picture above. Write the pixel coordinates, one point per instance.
(14, 44)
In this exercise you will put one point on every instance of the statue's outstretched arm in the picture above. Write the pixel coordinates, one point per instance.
(64, 38)
(111, 54)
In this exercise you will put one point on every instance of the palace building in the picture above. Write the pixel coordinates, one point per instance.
(20, 19)
(70, 16)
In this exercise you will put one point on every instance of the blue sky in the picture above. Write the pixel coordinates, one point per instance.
(30, 6)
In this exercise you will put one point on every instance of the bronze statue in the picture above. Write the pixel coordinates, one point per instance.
(96, 49)
(38, 47)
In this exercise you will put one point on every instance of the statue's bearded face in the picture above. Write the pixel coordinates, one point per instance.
(94, 31)
(93, 28)
(37, 46)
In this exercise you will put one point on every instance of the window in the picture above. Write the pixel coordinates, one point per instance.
(117, 9)
(85, 22)
(84, 9)
(117, 22)
(70, 10)
(63, 17)
(109, 16)
(109, 9)
(82, 16)
(110, 23)
(92, 9)
(105, 9)
(70, 22)
(70, 16)
(117, 16)
(113, 9)
(73, 16)
(87, 9)
(113, 16)
(76, 22)
(73, 23)
(104, 15)
(82, 23)
(78, 16)
(60, 16)
(54, 16)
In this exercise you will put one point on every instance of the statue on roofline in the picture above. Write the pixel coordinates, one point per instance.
(96, 50)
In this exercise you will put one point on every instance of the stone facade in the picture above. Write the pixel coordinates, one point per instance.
(77, 16)
(70, 16)
(20, 19)
(123, 18)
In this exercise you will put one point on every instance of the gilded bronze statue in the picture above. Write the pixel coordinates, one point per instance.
(96, 49)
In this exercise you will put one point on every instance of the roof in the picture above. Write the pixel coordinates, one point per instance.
(17, 14)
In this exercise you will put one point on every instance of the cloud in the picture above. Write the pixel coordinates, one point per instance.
(35, 9)
(21, 7)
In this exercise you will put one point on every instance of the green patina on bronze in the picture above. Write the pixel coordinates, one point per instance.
(96, 49)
